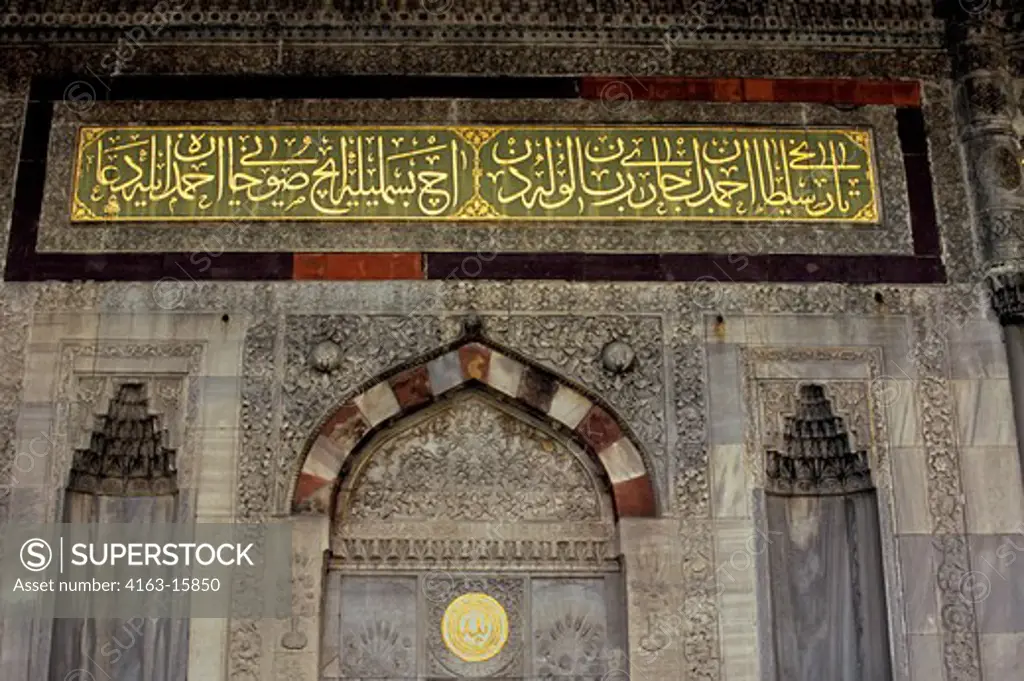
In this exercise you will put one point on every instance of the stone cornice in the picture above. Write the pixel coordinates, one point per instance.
(872, 24)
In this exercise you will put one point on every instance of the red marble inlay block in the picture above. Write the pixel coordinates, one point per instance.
(598, 429)
(872, 92)
(412, 387)
(537, 388)
(844, 92)
(376, 266)
(728, 90)
(906, 93)
(758, 90)
(309, 266)
(692, 89)
(307, 486)
(475, 360)
(635, 498)
(803, 90)
(357, 266)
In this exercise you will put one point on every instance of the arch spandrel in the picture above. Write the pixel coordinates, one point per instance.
(533, 389)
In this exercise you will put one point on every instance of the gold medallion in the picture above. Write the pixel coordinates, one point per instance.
(475, 627)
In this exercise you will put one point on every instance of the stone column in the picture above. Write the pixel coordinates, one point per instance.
(986, 106)
(1007, 289)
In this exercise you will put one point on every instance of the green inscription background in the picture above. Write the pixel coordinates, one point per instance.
(518, 173)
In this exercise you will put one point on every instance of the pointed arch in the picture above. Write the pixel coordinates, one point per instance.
(534, 388)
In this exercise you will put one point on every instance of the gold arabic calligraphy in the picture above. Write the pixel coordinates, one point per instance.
(473, 173)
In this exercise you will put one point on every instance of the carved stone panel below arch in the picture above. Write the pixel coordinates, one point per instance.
(472, 460)
(475, 481)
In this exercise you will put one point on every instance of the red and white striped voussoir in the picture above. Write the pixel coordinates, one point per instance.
(342, 433)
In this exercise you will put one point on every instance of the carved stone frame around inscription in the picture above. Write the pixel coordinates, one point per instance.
(891, 236)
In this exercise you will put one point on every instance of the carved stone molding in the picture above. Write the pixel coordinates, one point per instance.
(525, 555)
(696, 616)
(305, 600)
(14, 321)
(814, 455)
(874, 23)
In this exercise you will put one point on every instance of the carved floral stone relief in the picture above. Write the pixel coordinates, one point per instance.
(14, 321)
(960, 647)
(471, 461)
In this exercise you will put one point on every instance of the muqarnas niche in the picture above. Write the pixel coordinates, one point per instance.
(825, 577)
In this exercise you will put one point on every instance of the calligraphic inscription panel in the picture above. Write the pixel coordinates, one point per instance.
(519, 173)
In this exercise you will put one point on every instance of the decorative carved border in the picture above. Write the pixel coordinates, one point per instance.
(961, 650)
(538, 21)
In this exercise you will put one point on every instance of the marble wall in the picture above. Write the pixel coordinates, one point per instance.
(931, 407)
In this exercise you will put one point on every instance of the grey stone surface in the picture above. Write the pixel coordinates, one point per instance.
(1001, 655)
(724, 396)
(925, 657)
(977, 351)
(910, 484)
(997, 584)
(984, 413)
(827, 588)
(991, 480)
(729, 482)
(919, 564)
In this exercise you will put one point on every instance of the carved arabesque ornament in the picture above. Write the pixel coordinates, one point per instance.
(472, 461)
(960, 646)
(696, 619)
(803, 22)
